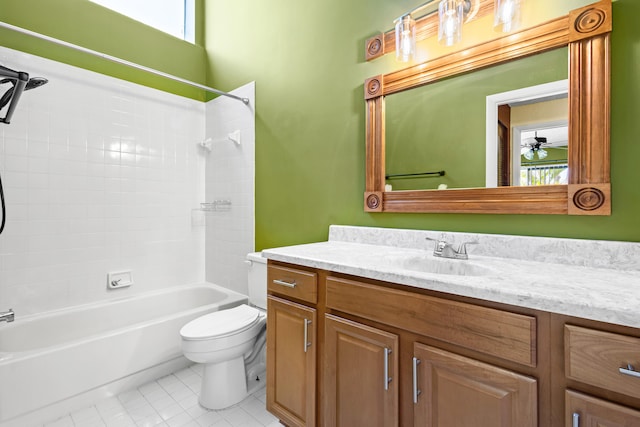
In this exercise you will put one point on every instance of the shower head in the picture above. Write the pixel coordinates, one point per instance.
(35, 82)
(20, 82)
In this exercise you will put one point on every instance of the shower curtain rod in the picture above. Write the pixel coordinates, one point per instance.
(120, 61)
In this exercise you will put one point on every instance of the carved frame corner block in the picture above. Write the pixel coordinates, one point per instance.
(373, 87)
(589, 199)
(375, 47)
(590, 21)
(373, 201)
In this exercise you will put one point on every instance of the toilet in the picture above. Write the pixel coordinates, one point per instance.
(230, 344)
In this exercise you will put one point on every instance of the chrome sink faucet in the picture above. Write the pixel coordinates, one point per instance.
(7, 316)
(444, 249)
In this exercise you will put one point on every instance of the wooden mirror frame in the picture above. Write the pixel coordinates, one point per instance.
(586, 31)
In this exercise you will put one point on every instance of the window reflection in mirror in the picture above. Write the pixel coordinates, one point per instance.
(528, 133)
(442, 126)
(532, 137)
(541, 148)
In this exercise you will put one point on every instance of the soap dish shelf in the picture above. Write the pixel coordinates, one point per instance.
(119, 279)
(216, 206)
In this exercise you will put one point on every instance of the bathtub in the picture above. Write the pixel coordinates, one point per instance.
(52, 357)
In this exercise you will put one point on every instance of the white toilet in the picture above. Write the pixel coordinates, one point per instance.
(231, 344)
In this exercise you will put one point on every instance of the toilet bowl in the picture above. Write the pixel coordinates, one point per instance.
(230, 344)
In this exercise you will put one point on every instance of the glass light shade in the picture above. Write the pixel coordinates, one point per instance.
(451, 16)
(506, 15)
(405, 38)
(542, 153)
(528, 155)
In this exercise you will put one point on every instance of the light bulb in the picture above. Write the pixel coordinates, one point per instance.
(406, 43)
(528, 155)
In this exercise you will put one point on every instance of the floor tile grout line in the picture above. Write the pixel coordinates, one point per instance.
(239, 411)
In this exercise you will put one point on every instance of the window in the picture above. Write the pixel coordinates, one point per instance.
(544, 175)
(175, 17)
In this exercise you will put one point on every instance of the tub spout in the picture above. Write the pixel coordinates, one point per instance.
(7, 316)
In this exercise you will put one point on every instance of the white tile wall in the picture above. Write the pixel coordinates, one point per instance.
(99, 175)
(230, 172)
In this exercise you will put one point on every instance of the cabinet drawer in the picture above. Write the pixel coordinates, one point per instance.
(583, 410)
(595, 357)
(498, 333)
(294, 283)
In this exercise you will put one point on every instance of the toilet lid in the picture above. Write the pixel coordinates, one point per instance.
(220, 323)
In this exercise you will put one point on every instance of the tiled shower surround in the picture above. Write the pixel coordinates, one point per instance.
(230, 178)
(100, 175)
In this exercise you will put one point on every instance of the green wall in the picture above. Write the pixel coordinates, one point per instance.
(308, 63)
(92, 26)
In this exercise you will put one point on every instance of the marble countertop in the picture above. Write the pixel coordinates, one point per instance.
(604, 294)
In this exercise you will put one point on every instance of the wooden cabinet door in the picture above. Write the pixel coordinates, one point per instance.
(291, 362)
(586, 411)
(455, 391)
(361, 375)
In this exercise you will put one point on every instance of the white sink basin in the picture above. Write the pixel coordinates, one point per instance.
(430, 264)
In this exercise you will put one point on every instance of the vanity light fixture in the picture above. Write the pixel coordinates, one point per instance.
(450, 18)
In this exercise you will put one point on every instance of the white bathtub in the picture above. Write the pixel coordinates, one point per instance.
(50, 357)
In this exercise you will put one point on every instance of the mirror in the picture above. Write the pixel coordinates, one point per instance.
(417, 141)
(583, 38)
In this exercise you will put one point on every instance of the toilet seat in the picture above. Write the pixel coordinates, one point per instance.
(220, 324)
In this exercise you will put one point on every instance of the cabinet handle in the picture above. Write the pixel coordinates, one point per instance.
(283, 283)
(307, 344)
(387, 378)
(576, 420)
(630, 371)
(416, 392)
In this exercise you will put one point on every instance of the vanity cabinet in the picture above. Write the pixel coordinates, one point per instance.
(384, 354)
(291, 346)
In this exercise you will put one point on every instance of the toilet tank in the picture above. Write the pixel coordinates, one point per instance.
(257, 279)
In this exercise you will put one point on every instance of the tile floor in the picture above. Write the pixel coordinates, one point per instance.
(170, 401)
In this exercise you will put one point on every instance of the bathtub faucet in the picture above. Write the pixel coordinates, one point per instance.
(7, 316)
